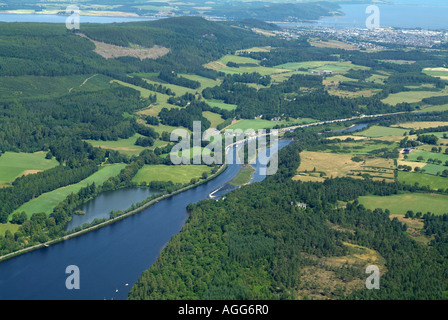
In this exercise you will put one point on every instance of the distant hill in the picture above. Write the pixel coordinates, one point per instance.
(192, 41)
(274, 11)
(265, 10)
(255, 23)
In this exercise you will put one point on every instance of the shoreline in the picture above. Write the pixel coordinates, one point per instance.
(162, 197)
(109, 221)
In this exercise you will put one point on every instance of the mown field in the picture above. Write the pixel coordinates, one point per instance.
(401, 203)
(214, 118)
(222, 105)
(441, 73)
(126, 146)
(48, 201)
(13, 228)
(205, 82)
(415, 154)
(13, 165)
(334, 66)
(412, 96)
(176, 173)
(145, 93)
(421, 124)
(434, 182)
(380, 131)
(248, 65)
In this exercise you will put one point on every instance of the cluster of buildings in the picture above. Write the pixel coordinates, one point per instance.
(371, 39)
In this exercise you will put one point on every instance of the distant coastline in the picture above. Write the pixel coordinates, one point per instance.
(395, 15)
(427, 16)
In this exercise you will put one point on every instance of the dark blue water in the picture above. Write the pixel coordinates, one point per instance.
(108, 201)
(260, 165)
(107, 258)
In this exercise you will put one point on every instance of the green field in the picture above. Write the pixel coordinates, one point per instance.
(13, 228)
(257, 124)
(440, 134)
(238, 59)
(252, 124)
(180, 91)
(214, 118)
(176, 173)
(443, 107)
(194, 151)
(434, 169)
(126, 146)
(243, 177)
(427, 155)
(304, 65)
(411, 96)
(434, 182)
(166, 128)
(441, 73)
(401, 203)
(205, 82)
(254, 49)
(13, 165)
(222, 105)
(145, 93)
(379, 131)
(264, 71)
(48, 201)
(246, 65)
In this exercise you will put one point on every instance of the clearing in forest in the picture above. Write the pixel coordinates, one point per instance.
(110, 51)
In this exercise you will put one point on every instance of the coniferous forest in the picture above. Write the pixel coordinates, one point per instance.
(258, 244)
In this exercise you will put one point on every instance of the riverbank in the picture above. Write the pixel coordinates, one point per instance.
(165, 196)
(111, 220)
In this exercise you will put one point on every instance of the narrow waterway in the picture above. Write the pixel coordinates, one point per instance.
(110, 259)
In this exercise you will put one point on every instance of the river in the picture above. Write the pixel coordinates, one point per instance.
(107, 258)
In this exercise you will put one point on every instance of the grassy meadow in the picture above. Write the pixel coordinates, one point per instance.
(401, 203)
(13, 165)
(176, 173)
(380, 131)
(126, 146)
(432, 181)
(48, 201)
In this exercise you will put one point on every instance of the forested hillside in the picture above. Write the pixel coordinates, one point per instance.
(258, 244)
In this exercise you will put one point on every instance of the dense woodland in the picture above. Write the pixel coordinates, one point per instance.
(255, 243)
